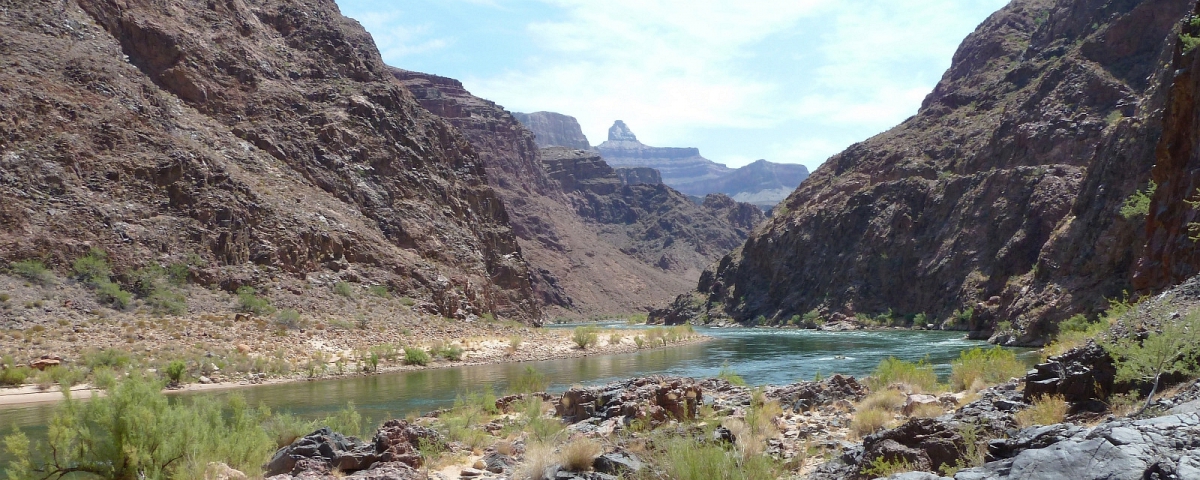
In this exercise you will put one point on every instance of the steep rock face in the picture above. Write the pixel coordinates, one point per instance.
(639, 176)
(1000, 196)
(554, 129)
(652, 222)
(1171, 255)
(585, 259)
(761, 183)
(266, 136)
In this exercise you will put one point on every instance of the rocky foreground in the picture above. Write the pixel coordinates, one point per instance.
(809, 435)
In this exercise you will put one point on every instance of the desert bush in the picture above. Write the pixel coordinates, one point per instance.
(407, 301)
(110, 358)
(918, 376)
(93, 267)
(578, 455)
(726, 373)
(686, 458)
(288, 319)
(134, 432)
(415, 356)
(344, 289)
(1137, 205)
(868, 421)
(881, 467)
(1173, 349)
(33, 270)
(175, 371)
(447, 351)
(250, 302)
(13, 376)
(164, 301)
(380, 291)
(640, 341)
(1046, 410)
(988, 367)
(584, 336)
(529, 381)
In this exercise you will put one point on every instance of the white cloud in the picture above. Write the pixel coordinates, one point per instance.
(789, 81)
(396, 40)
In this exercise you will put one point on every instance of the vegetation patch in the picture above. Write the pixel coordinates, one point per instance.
(919, 376)
(977, 368)
(1046, 410)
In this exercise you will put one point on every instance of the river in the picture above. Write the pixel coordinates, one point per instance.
(761, 356)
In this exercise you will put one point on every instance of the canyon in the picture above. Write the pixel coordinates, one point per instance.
(1002, 199)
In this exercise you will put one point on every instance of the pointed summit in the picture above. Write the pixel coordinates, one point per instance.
(620, 132)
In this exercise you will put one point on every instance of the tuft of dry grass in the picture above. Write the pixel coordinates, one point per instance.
(887, 399)
(1046, 410)
(927, 410)
(538, 457)
(868, 421)
(578, 455)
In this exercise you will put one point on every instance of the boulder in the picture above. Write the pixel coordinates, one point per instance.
(44, 363)
(397, 441)
(912, 402)
(1082, 374)
(617, 463)
(926, 443)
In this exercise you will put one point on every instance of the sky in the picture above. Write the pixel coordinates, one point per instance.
(790, 81)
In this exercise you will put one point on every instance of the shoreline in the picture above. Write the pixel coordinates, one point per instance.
(27, 395)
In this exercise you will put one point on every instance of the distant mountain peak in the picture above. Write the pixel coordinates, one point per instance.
(619, 132)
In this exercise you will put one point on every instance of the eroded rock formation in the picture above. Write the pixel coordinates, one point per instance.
(999, 200)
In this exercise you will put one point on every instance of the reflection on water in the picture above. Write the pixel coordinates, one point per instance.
(761, 356)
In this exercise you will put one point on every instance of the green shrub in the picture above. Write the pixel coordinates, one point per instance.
(1138, 203)
(93, 267)
(918, 376)
(408, 302)
(447, 351)
(881, 467)
(175, 371)
(687, 458)
(111, 294)
(178, 273)
(585, 336)
(977, 367)
(250, 302)
(530, 381)
(288, 319)
(344, 289)
(167, 302)
(110, 358)
(415, 356)
(14, 376)
(726, 373)
(380, 291)
(134, 432)
(33, 270)
(1174, 349)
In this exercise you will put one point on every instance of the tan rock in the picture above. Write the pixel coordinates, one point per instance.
(916, 400)
(221, 471)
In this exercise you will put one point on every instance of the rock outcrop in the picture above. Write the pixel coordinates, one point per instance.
(762, 183)
(1000, 199)
(265, 136)
(599, 240)
(323, 451)
(1170, 255)
(554, 130)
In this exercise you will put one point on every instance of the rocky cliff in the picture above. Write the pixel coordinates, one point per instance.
(265, 136)
(554, 129)
(599, 240)
(1171, 255)
(762, 183)
(1000, 200)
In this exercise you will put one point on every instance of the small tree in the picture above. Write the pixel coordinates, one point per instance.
(1175, 349)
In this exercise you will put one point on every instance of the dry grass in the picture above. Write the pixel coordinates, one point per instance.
(578, 455)
(1046, 410)
(538, 457)
(927, 410)
(888, 399)
(868, 421)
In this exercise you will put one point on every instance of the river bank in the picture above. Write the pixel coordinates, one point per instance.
(234, 351)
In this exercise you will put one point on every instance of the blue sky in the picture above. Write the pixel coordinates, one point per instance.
(786, 80)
